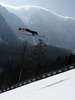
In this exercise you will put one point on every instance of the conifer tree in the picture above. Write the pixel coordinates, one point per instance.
(38, 56)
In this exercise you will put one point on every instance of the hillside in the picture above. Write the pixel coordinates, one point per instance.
(13, 21)
(6, 34)
(58, 30)
(60, 86)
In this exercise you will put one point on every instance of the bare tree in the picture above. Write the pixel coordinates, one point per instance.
(22, 59)
(38, 55)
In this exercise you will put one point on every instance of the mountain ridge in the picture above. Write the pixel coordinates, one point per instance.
(58, 31)
(12, 20)
(32, 6)
(6, 34)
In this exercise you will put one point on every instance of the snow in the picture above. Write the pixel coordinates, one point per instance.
(57, 87)
(59, 30)
(28, 7)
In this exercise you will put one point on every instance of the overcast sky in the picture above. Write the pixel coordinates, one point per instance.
(62, 7)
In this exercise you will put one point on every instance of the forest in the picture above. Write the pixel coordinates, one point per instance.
(30, 62)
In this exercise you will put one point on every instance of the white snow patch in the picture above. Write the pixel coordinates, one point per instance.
(31, 6)
(58, 87)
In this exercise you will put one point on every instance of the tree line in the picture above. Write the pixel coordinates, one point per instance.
(19, 68)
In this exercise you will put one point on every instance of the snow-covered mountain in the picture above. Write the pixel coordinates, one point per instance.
(58, 30)
(12, 20)
(6, 34)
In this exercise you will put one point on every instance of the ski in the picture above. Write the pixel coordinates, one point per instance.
(30, 34)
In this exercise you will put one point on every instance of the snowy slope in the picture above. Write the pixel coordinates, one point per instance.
(58, 30)
(58, 87)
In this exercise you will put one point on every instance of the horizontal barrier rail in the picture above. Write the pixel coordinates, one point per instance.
(43, 76)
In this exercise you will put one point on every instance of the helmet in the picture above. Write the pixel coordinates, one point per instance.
(19, 29)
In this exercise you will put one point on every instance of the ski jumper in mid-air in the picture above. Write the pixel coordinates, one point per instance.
(28, 30)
